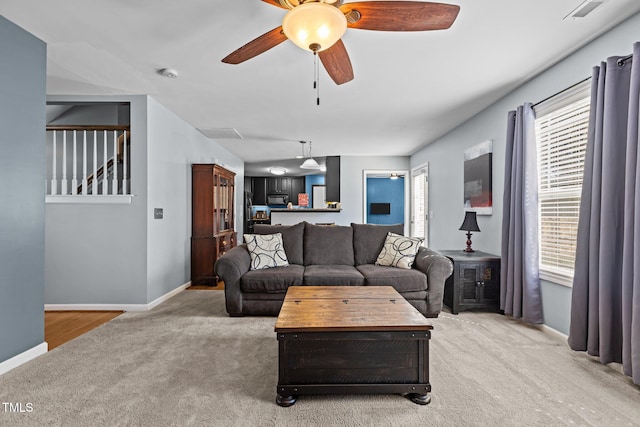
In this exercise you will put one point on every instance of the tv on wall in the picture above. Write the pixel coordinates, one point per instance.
(380, 208)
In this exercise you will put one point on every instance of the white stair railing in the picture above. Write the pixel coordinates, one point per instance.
(107, 146)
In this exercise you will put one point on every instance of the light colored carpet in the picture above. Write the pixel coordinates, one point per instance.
(187, 363)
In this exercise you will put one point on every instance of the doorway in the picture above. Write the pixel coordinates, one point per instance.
(387, 193)
(420, 203)
(318, 196)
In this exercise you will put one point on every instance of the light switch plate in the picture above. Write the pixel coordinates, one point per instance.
(157, 213)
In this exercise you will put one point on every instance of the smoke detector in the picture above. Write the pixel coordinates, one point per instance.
(169, 73)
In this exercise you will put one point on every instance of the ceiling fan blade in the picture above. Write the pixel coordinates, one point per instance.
(400, 15)
(337, 63)
(275, 3)
(256, 46)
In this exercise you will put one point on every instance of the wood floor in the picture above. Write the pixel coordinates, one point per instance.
(63, 326)
(218, 287)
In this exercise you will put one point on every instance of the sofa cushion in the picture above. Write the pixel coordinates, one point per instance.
(292, 236)
(266, 251)
(368, 240)
(328, 245)
(399, 251)
(332, 275)
(272, 280)
(401, 279)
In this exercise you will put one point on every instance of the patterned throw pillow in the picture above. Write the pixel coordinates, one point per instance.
(399, 251)
(266, 250)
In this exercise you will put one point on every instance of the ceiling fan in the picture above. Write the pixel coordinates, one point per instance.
(318, 26)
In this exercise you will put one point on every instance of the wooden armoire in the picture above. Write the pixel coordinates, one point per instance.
(212, 225)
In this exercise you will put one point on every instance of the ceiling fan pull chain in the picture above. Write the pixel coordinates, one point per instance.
(316, 76)
(315, 70)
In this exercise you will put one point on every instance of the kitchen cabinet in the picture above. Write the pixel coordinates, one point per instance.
(332, 179)
(278, 185)
(289, 185)
(259, 190)
(297, 187)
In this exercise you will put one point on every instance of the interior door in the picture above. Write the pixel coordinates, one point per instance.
(420, 203)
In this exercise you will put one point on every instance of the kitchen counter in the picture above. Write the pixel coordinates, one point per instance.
(313, 216)
(304, 210)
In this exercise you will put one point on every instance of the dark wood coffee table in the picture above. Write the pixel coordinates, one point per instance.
(351, 339)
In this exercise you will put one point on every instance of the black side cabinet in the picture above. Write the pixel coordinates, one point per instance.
(475, 282)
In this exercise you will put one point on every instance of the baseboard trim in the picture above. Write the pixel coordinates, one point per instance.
(23, 357)
(168, 295)
(117, 307)
(555, 332)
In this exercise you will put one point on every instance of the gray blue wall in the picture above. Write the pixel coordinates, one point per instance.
(22, 121)
(352, 183)
(445, 158)
(96, 253)
(173, 145)
(118, 254)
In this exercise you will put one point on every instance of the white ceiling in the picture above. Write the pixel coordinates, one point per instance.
(409, 88)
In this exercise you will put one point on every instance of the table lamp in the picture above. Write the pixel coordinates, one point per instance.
(469, 224)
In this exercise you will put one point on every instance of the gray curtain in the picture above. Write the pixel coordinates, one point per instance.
(605, 305)
(520, 294)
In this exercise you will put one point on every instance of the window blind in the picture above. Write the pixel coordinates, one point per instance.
(562, 140)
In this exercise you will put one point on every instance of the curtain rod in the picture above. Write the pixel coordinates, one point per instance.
(623, 60)
(620, 62)
(561, 91)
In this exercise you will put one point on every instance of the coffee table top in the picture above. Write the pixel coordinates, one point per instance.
(347, 308)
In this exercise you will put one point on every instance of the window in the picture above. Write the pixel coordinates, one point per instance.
(561, 132)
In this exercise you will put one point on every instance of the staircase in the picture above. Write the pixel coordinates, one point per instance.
(99, 155)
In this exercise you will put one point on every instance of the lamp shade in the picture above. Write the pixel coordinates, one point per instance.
(310, 163)
(470, 222)
(314, 26)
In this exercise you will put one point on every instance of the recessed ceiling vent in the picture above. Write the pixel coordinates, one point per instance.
(585, 8)
(221, 133)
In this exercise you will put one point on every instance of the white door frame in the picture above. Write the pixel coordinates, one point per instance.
(379, 173)
(414, 171)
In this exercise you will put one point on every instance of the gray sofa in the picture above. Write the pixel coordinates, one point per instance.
(329, 255)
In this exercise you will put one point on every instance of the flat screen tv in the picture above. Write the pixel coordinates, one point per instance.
(380, 208)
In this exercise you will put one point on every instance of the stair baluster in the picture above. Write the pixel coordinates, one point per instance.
(85, 184)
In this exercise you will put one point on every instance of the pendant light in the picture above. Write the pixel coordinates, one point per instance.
(310, 162)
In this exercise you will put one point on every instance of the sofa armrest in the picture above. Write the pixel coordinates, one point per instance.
(230, 267)
(438, 268)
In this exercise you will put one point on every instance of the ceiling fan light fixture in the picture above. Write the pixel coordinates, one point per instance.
(314, 24)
